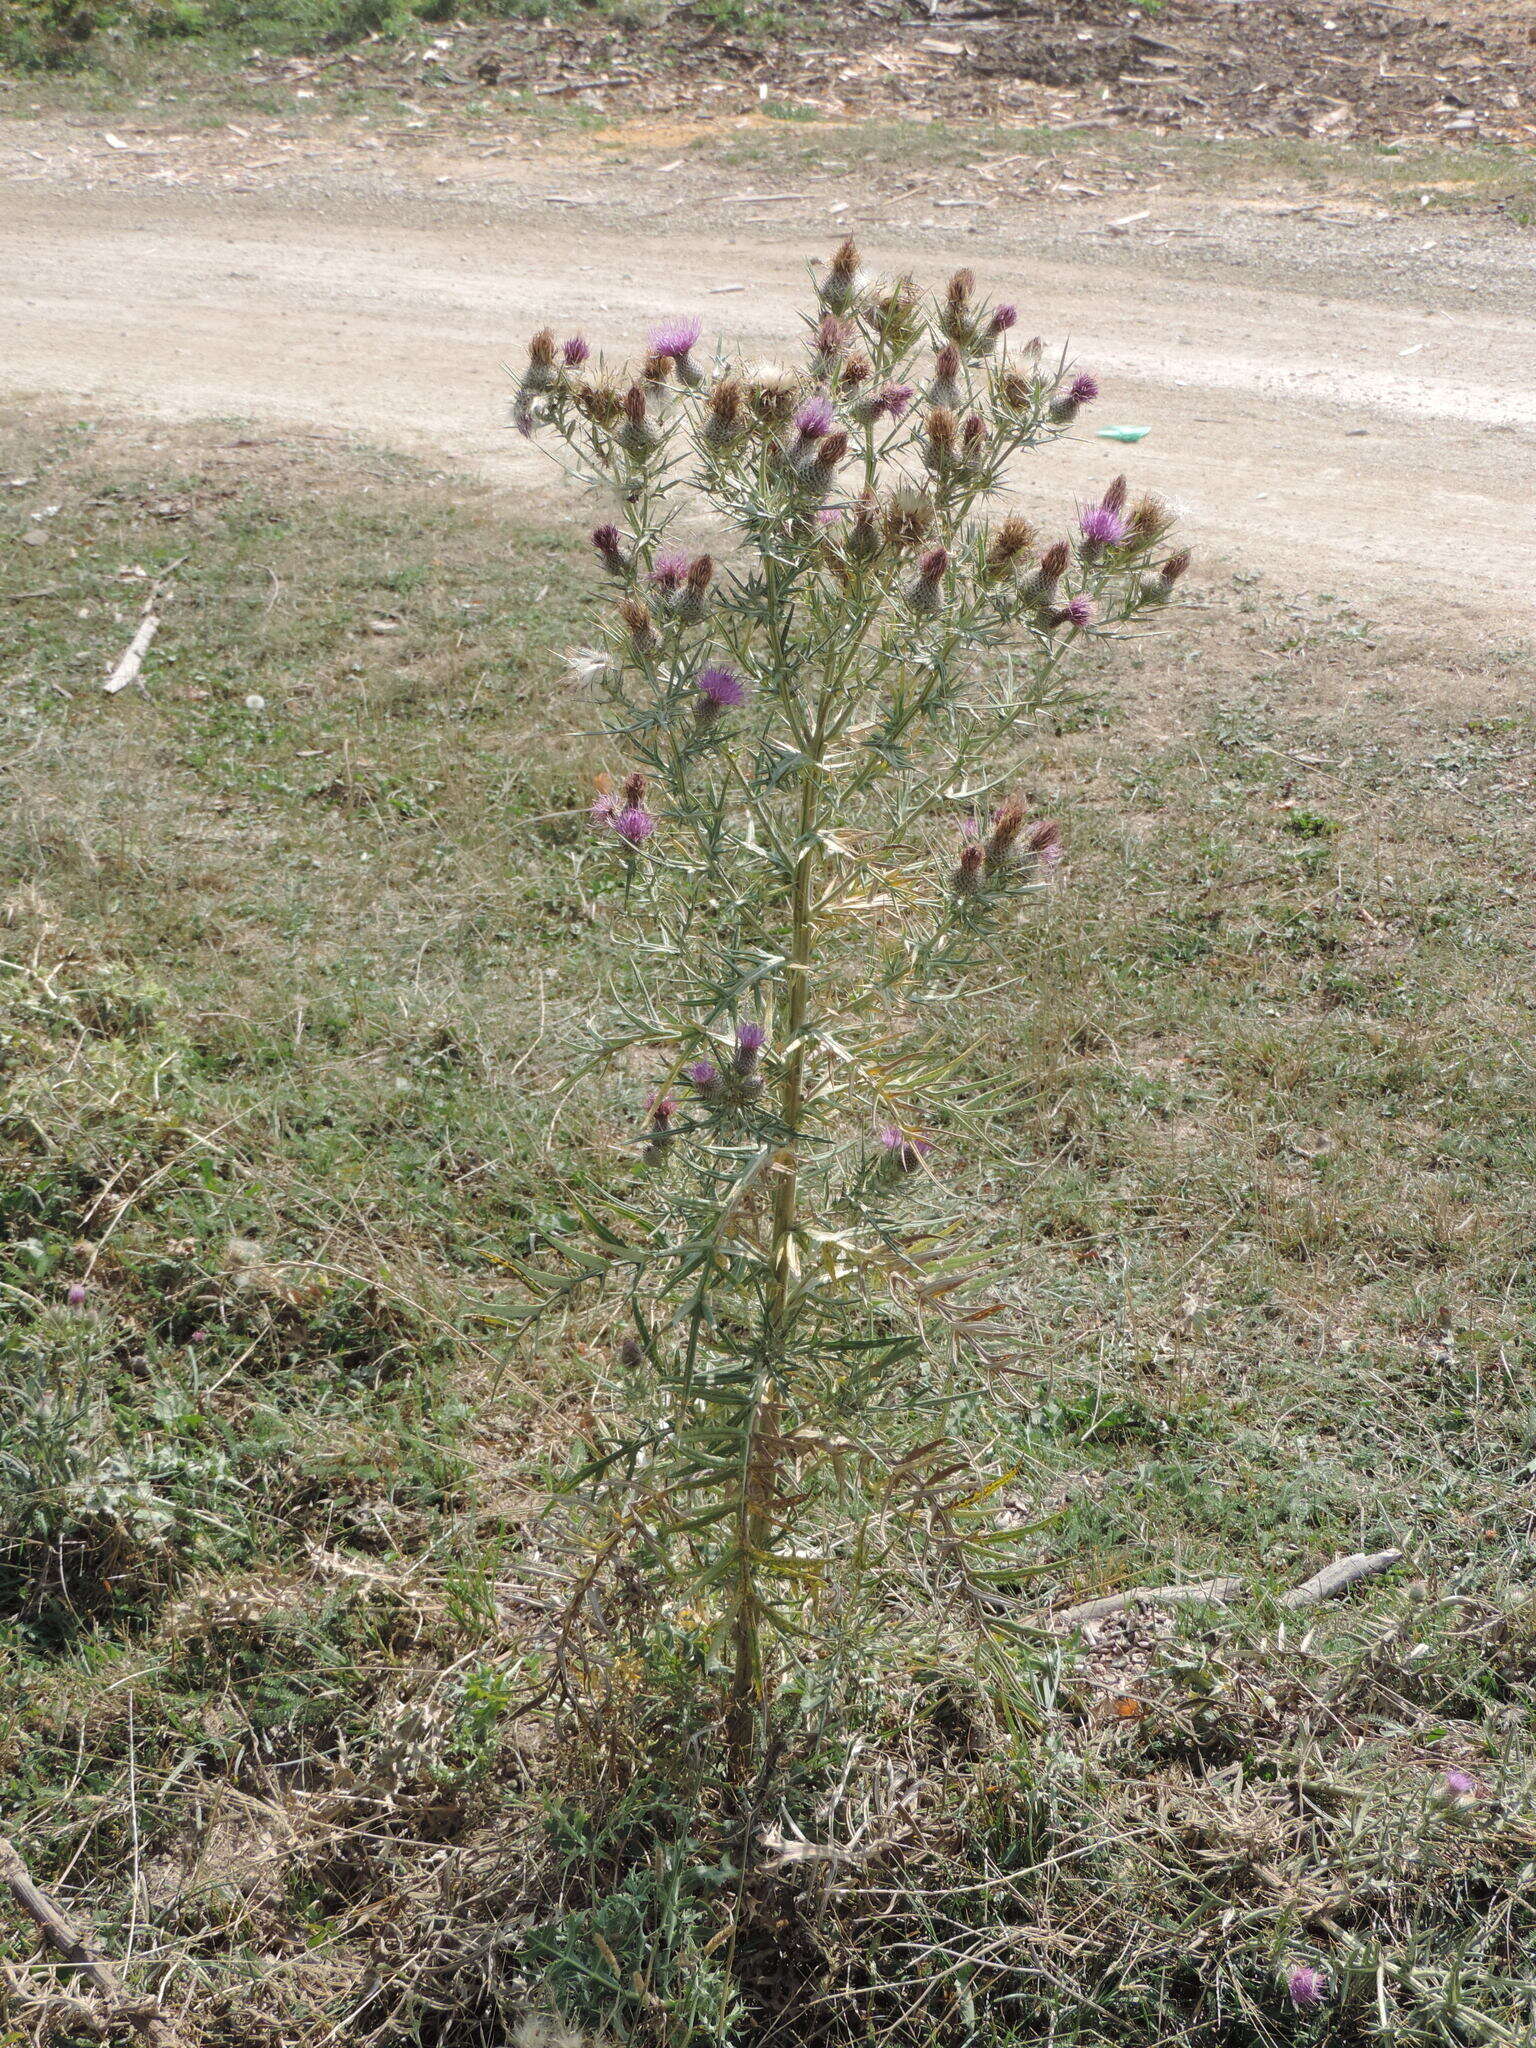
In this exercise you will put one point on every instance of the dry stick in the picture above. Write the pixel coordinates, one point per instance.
(1150, 1596)
(149, 625)
(1344, 1571)
(75, 1949)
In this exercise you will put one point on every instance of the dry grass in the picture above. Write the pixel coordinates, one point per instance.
(288, 1008)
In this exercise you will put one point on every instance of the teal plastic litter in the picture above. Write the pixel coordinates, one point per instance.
(1124, 433)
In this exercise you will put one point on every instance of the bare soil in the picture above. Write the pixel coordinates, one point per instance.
(1338, 394)
(1322, 68)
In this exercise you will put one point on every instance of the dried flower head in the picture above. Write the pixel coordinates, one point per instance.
(639, 625)
(840, 285)
(1149, 520)
(940, 430)
(968, 875)
(1007, 824)
(723, 422)
(908, 516)
(1011, 542)
(1044, 841)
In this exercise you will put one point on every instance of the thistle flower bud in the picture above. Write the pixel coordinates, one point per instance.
(1082, 391)
(1007, 824)
(1078, 613)
(746, 1080)
(705, 1080)
(675, 339)
(864, 538)
(1004, 318)
(574, 353)
(609, 544)
(540, 373)
(1044, 842)
(640, 626)
(1101, 528)
(720, 690)
(857, 370)
(1040, 590)
(637, 434)
(723, 422)
(1012, 540)
(931, 570)
(1158, 589)
(967, 878)
(76, 1295)
(689, 604)
(973, 440)
(898, 315)
(1015, 392)
(1149, 520)
(902, 1154)
(956, 320)
(1114, 498)
(831, 344)
(939, 431)
(945, 388)
(830, 451)
(839, 287)
(659, 1138)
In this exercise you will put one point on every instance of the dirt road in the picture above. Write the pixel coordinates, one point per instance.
(1345, 402)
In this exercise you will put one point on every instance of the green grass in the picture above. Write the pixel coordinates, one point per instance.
(287, 1014)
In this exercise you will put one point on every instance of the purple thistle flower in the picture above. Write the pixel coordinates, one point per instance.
(76, 1296)
(703, 1075)
(634, 824)
(670, 570)
(1306, 1987)
(722, 687)
(1460, 1785)
(675, 336)
(1102, 528)
(1004, 317)
(576, 351)
(1080, 612)
(750, 1040)
(605, 809)
(814, 419)
(1085, 389)
(902, 1153)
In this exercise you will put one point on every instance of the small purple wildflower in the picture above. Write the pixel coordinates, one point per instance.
(605, 809)
(576, 351)
(829, 515)
(634, 824)
(905, 1154)
(1306, 1987)
(895, 399)
(1085, 389)
(1102, 528)
(1004, 317)
(704, 1076)
(675, 337)
(750, 1040)
(1080, 612)
(76, 1296)
(1460, 1784)
(814, 419)
(722, 687)
(670, 570)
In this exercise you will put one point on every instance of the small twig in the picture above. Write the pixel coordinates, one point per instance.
(66, 1938)
(1344, 1571)
(1220, 1590)
(149, 625)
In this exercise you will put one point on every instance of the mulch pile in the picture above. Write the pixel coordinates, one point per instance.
(1334, 69)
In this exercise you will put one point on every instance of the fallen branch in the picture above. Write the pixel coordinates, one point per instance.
(149, 625)
(1219, 1590)
(143, 2015)
(1344, 1571)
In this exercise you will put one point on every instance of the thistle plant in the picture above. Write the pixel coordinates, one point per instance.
(807, 809)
